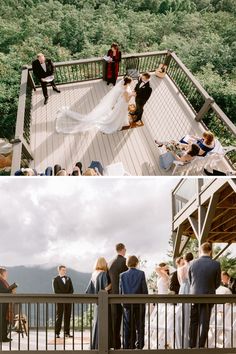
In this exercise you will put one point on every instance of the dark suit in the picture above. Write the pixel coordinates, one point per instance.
(142, 95)
(40, 74)
(133, 282)
(117, 266)
(60, 288)
(204, 278)
(3, 311)
(174, 283)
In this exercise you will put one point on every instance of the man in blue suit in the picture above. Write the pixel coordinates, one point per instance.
(204, 278)
(133, 282)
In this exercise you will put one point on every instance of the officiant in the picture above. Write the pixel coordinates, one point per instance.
(43, 69)
(112, 61)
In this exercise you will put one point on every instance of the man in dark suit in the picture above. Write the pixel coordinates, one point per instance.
(43, 68)
(4, 307)
(133, 281)
(142, 93)
(62, 284)
(204, 278)
(116, 267)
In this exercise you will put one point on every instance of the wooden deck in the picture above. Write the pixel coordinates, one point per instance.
(167, 116)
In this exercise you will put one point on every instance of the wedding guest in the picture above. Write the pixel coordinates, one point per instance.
(204, 277)
(4, 307)
(133, 281)
(76, 171)
(183, 310)
(116, 267)
(62, 284)
(228, 281)
(62, 173)
(142, 93)
(112, 66)
(206, 143)
(91, 172)
(99, 281)
(44, 68)
(56, 169)
(174, 154)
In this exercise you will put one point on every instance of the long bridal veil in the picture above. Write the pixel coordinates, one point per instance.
(102, 116)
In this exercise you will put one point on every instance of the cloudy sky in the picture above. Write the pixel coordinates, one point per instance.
(47, 221)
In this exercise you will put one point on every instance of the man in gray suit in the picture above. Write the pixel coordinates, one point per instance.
(117, 266)
(204, 278)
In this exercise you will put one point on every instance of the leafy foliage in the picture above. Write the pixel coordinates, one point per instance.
(202, 32)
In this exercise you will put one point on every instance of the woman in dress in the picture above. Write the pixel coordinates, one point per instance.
(109, 116)
(99, 281)
(183, 310)
(112, 66)
(158, 315)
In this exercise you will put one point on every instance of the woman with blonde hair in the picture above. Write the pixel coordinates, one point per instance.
(99, 281)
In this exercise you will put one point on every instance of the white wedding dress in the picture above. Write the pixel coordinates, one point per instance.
(109, 116)
(160, 329)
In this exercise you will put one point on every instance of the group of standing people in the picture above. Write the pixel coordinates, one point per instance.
(196, 277)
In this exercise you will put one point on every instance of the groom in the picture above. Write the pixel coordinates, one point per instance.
(142, 93)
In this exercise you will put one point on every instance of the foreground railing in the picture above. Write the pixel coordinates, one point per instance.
(203, 106)
(166, 322)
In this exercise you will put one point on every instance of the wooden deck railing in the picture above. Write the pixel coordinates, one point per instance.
(160, 333)
(203, 106)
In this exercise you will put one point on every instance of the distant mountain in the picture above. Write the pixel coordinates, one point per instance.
(39, 280)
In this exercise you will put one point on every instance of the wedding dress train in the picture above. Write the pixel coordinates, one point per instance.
(109, 116)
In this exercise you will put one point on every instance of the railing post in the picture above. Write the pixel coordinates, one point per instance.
(102, 322)
(205, 108)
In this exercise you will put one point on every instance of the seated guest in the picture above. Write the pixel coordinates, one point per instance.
(175, 154)
(206, 143)
(43, 69)
(91, 172)
(4, 307)
(133, 282)
(62, 173)
(57, 168)
(76, 171)
(79, 165)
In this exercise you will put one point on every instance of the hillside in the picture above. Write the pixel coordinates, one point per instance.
(39, 280)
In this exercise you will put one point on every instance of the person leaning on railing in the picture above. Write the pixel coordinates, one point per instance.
(5, 309)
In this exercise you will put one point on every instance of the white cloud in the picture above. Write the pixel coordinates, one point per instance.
(49, 221)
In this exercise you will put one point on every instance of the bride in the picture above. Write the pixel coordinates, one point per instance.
(110, 115)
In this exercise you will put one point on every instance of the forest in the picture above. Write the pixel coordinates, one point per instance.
(201, 32)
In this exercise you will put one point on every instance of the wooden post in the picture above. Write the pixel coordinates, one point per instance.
(205, 108)
(102, 322)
